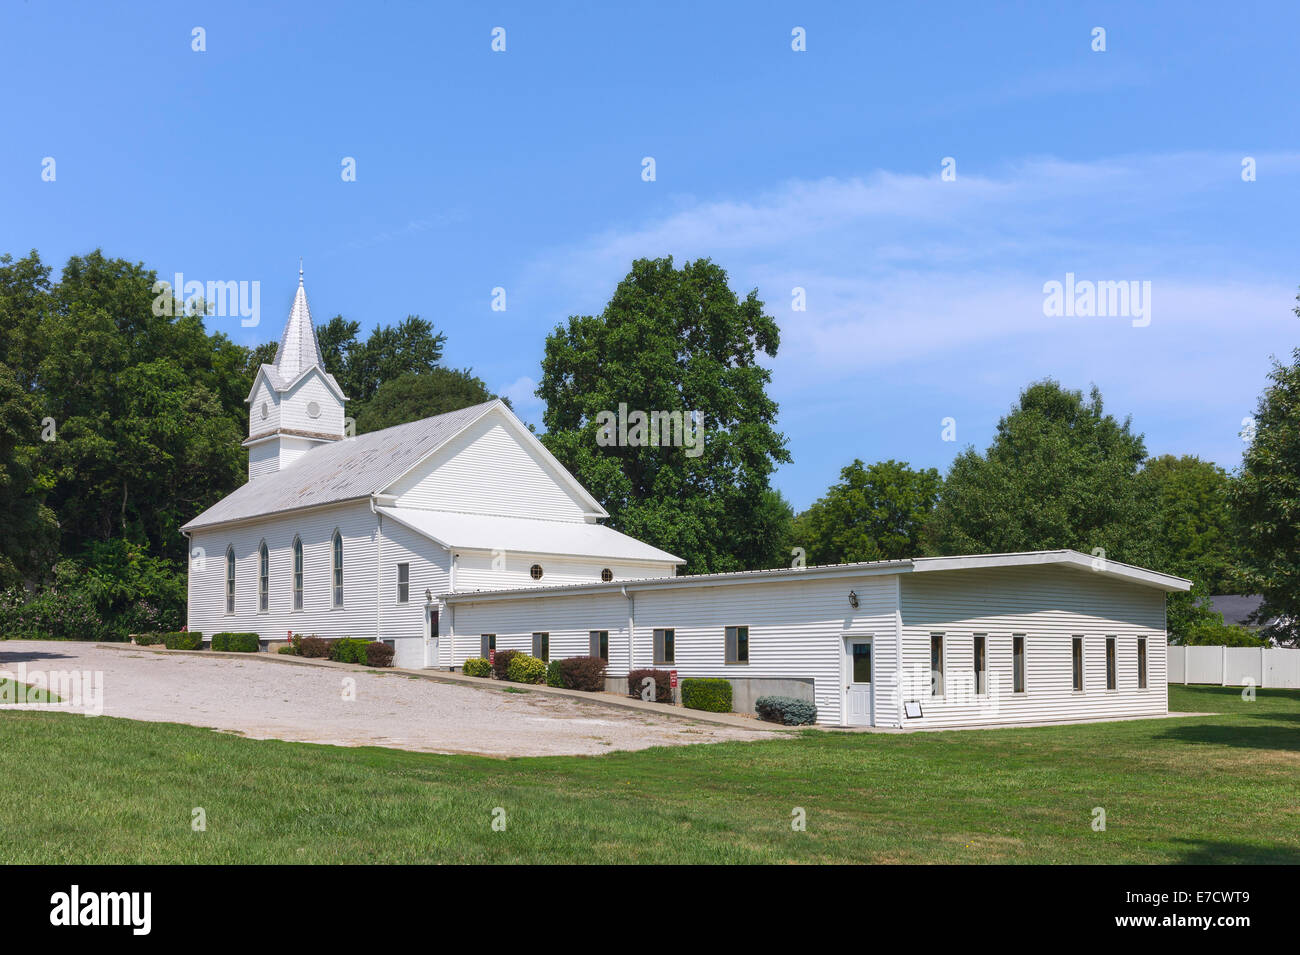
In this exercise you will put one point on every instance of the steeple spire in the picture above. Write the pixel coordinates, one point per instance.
(299, 348)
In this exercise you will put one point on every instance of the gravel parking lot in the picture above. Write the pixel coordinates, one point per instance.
(270, 700)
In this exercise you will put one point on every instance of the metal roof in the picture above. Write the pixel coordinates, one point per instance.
(1066, 558)
(525, 535)
(299, 348)
(342, 470)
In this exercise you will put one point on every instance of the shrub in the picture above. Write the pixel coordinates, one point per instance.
(501, 663)
(555, 673)
(785, 709)
(711, 695)
(146, 639)
(348, 650)
(183, 640)
(313, 646)
(476, 666)
(236, 642)
(583, 673)
(288, 650)
(663, 684)
(379, 654)
(525, 669)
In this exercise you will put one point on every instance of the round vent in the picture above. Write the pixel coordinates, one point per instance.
(265, 411)
(607, 575)
(313, 409)
(535, 571)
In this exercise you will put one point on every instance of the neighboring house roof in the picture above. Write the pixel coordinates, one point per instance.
(1237, 608)
(342, 471)
(525, 535)
(1061, 558)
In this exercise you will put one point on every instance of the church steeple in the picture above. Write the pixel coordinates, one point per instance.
(295, 404)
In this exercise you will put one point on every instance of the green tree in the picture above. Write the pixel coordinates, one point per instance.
(679, 341)
(28, 531)
(1266, 501)
(410, 347)
(1059, 473)
(875, 512)
(411, 397)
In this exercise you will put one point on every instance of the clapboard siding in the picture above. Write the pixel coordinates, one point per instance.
(207, 578)
(293, 406)
(488, 571)
(263, 394)
(569, 621)
(430, 567)
(487, 469)
(1049, 606)
(263, 459)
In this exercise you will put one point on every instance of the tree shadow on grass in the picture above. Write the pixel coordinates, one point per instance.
(1251, 736)
(1202, 852)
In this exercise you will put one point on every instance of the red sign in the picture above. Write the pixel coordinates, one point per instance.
(492, 655)
(672, 676)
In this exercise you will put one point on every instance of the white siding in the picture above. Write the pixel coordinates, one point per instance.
(487, 470)
(1049, 606)
(569, 621)
(476, 570)
(430, 570)
(294, 407)
(264, 394)
(263, 459)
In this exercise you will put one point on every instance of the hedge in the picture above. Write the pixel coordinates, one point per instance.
(583, 673)
(147, 639)
(312, 646)
(476, 666)
(501, 663)
(663, 684)
(348, 650)
(785, 709)
(379, 654)
(710, 694)
(236, 642)
(183, 640)
(525, 669)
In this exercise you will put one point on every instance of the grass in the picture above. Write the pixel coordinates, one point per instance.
(1214, 789)
(11, 691)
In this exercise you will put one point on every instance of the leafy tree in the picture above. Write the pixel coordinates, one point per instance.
(875, 512)
(411, 397)
(410, 347)
(679, 341)
(28, 530)
(1060, 473)
(1266, 501)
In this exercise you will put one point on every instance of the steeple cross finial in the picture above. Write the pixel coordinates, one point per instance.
(300, 270)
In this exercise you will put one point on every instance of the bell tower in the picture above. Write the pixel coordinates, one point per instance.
(295, 404)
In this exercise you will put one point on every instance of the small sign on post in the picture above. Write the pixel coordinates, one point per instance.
(492, 655)
(672, 679)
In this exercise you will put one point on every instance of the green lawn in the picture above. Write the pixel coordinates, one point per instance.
(11, 691)
(1218, 789)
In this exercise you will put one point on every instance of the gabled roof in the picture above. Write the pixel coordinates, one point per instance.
(1061, 558)
(343, 470)
(525, 535)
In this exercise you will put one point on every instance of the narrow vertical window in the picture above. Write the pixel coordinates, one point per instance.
(600, 644)
(981, 665)
(1018, 663)
(737, 644)
(665, 646)
(936, 664)
(263, 578)
(1110, 663)
(1076, 663)
(230, 580)
(297, 573)
(542, 646)
(1142, 663)
(403, 583)
(338, 569)
(486, 644)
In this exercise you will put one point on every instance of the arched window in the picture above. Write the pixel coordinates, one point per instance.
(338, 569)
(230, 580)
(263, 578)
(297, 573)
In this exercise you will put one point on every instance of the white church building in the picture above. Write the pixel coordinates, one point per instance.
(461, 533)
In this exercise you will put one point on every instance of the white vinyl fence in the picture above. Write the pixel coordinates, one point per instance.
(1275, 667)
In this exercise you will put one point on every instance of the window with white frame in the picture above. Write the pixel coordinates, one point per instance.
(542, 646)
(297, 573)
(263, 578)
(1018, 663)
(337, 572)
(403, 583)
(600, 644)
(737, 640)
(665, 648)
(487, 642)
(936, 664)
(1110, 663)
(230, 579)
(1076, 663)
(981, 662)
(1142, 663)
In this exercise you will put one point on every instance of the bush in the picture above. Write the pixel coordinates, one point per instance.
(583, 673)
(711, 695)
(501, 663)
(663, 684)
(476, 666)
(525, 669)
(183, 640)
(147, 639)
(555, 673)
(379, 654)
(785, 709)
(313, 646)
(348, 650)
(288, 650)
(236, 642)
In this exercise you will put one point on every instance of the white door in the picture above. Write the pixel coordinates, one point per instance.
(430, 639)
(857, 681)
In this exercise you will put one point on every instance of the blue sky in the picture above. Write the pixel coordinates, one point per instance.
(817, 169)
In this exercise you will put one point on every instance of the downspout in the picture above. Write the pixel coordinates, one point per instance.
(451, 610)
(898, 647)
(631, 627)
(189, 575)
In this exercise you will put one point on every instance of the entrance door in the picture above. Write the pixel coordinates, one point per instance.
(431, 637)
(857, 681)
